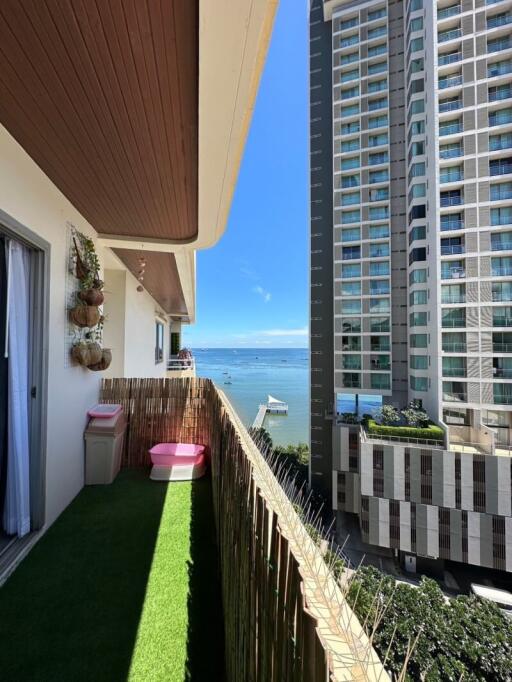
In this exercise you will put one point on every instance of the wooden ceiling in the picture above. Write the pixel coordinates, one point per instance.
(103, 95)
(161, 278)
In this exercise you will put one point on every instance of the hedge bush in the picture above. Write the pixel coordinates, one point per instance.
(431, 432)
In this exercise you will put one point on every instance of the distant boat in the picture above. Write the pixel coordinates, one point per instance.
(228, 383)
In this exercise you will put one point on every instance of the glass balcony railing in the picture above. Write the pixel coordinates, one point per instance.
(452, 176)
(453, 224)
(500, 142)
(501, 246)
(501, 270)
(500, 347)
(501, 297)
(501, 321)
(502, 399)
(451, 201)
(449, 82)
(452, 249)
(499, 20)
(453, 298)
(351, 383)
(500, 169)
(450, 58)
(451, 153)
(498, 118)
(454, 372)
(454, 347)
(449, 322)
(497, 95)
(454, 397)
(452, 105)
(453, 273)
(450, 129)
(499, 45)
(500, 69)
(502, 372)
(449, 35)
(448, 12)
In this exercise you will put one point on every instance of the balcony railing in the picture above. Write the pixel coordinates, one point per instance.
(501, 321)
(451, 129)
(500, 169)
(454, 273)
(450, 82)
(453, 298)
(501, 270)
(450, 58)
(452, 105)
(451, 153)
(498, 118)
(498, 95)
(454, 397)
(257, 526)
(451, 201)
(502, 372)
(455, 372)
(454, 224)
(448, 12)
(499, 20)
(451, 249)
(451, 177)
(454, 347)
(499, 45)
(449, 35)
(500, 347)
(176, 364)
(448, 322)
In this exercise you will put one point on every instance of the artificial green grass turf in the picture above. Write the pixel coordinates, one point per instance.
(122, 587)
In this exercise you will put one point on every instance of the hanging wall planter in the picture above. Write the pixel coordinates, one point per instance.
(91, 296)
(85, 315)
(87, 354)
(104, 363)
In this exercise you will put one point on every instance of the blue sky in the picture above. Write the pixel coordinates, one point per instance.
(252, 287)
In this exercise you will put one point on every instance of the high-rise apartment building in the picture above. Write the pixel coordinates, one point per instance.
(411, 268)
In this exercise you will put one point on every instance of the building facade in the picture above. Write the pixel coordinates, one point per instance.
(421, 233)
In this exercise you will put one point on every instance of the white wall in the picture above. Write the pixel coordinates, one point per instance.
(28, 196)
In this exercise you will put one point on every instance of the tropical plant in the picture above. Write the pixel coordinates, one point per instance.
(387, 415)
(415, 416)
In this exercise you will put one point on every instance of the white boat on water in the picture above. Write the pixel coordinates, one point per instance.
(275, 406)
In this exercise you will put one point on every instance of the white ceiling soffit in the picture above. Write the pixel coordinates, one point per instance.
(233, 41)
(330, 6)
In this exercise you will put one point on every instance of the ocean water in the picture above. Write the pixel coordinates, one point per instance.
(256, 373)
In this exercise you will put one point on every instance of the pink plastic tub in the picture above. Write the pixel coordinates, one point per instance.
(166, 454)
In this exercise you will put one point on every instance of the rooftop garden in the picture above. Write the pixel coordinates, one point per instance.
(410, 422)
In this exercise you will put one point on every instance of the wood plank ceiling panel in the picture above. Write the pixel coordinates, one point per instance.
(161, 278)
(104, 96)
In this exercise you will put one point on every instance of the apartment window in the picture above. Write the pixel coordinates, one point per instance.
(454, 367)
(450, 127)
(501, 192)
(350, 271)
(380, 362)
(418, 319)
(452, 150)
(351, 288)
(379, 324)
(502, 394)
(501, 216)
(350, 181)
(417, 255)
(379, 250)
(501, 291)
(351, 307)
(349, 58)
(351, 362)
(380, 382)
(499, 68)
(499, 92)
(501, 266)
(381, 194)
(376, 50)
(380, 157)
(352, 162)
(453, 293)
(418, 383)
(379, 305)
(501, 19)
(417, 128)
(350, 92)
(352, 234)
(451, 174)
(454, 391)
(350, 145)
(351, 326)
(351, 40)
(349, 343)
(418, 232)
(451, 34)
(379, 343)
(350, 217)
(351, 252)
(379, 231)
(450, 57)
(456, 417)
(418, 361)
(379, 287)
(500, 117)
(378, 122)
(377, 14)
(416, 44)
(381, 268)
(418, 297)
(454, 342)
(377, 68)
(350, 198)
(377, 86)
(419, 211)
(453, 269)
(418, 340)
(417, 107)
(450, 104)
(349, 23)
(377, 32)
(502, 342)
(452, 221)
(500, 166)
(159, 342)
(502, 316)
(379, 213)
(417, 149)
(417, 86)
(499, 44)
(349, 128)
(415, 5)
(351, 110)
(378, 176)
(418, 191)
(417, 170)
(416, 24)
(375, 104)
(377, 140)
(349, 76)
(351, 380)
(417, 276)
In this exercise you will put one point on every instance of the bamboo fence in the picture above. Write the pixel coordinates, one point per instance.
(285, 617)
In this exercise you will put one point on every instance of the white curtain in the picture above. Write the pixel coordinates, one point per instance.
(17, 497)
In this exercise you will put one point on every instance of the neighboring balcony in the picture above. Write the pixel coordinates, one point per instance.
(451, 175)
(450, 105)
(454, 392)
(452, 34)
(499, 20)
(454, 272)
(449, 222)
(450, 82)
(454, 347)
(179, 368)
(447, 12)
(500, 167)
(453, 198)
(449, 58)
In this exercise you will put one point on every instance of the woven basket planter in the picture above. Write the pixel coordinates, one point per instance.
(104, 363)
(85, 315)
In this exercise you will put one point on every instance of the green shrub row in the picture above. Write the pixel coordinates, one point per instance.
(432, 432)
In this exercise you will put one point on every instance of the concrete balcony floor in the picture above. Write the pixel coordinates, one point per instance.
(124, 586)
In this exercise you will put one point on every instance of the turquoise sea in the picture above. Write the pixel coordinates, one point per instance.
(249, 375)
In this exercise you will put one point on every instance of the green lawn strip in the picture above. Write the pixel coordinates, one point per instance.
(431, 432)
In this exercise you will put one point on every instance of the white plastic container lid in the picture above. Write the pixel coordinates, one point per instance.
(104, 411)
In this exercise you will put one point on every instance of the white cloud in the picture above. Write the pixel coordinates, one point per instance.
(265, 295)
